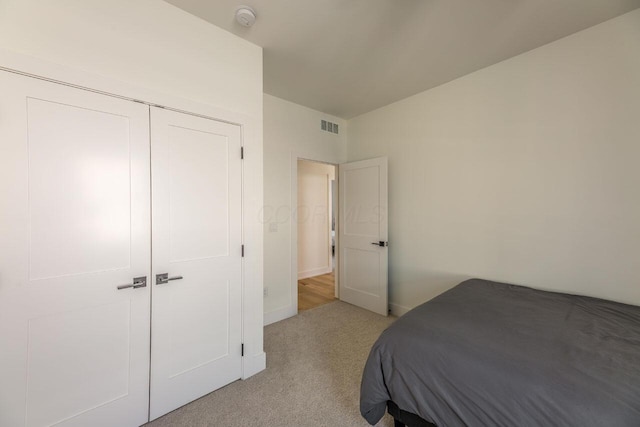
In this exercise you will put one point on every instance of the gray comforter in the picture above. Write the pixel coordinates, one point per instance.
(492, 354)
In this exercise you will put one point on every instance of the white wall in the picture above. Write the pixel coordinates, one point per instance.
(314, 218)
(149, 43)
(290, 132)
(526, 172)
(150, 50)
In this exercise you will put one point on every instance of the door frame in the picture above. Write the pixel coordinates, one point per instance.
(254, 359)
(294, 226)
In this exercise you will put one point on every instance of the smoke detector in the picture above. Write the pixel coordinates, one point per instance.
(245, 16)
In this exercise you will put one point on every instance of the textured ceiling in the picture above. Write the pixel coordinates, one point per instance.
(347, 57)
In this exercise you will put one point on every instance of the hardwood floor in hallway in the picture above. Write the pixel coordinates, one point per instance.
(316, 291)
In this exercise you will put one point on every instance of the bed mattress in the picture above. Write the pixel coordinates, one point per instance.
(494, 354)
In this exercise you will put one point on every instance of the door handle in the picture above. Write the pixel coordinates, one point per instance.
(163, 278)
(138, 282)
(380, 243)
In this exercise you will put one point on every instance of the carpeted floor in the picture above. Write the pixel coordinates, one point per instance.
(314, 366)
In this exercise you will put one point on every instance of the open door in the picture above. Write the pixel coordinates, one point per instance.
(363, 234)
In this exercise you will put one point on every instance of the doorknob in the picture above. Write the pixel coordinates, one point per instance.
(163, 278)
(380, 243)
(138, 282)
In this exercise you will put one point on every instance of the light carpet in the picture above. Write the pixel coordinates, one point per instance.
(314, 366)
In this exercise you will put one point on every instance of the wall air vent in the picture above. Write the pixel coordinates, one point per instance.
(329, 127)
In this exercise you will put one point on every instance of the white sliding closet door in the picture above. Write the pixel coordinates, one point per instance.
(74, 225)
(197, 237)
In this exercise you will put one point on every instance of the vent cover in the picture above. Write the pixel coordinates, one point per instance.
(329, 127)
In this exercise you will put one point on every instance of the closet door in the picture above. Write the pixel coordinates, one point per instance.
(74, 232)
(196, 315)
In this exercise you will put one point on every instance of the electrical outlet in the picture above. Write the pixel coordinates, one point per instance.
(266, 292)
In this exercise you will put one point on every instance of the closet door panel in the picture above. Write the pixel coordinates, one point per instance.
(78, 180)
(75, 224)
(196, 181)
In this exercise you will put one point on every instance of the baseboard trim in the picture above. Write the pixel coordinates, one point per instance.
(254, 364)
(279, 314)
(314, 272)
(398, 310)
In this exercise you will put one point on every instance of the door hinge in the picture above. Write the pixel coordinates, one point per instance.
(242, 249)
(241, 153)
(242, 349)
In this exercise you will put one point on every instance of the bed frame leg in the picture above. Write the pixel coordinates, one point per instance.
(397, 423)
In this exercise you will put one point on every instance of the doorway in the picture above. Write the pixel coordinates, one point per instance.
(317, 233)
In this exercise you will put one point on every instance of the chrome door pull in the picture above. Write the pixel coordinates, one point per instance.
(163, 278)
(138, 282)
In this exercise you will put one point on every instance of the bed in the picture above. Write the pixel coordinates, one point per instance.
(494, 354)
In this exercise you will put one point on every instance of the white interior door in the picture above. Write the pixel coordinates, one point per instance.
(197, 237)
(363, 234)
(74, 225)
